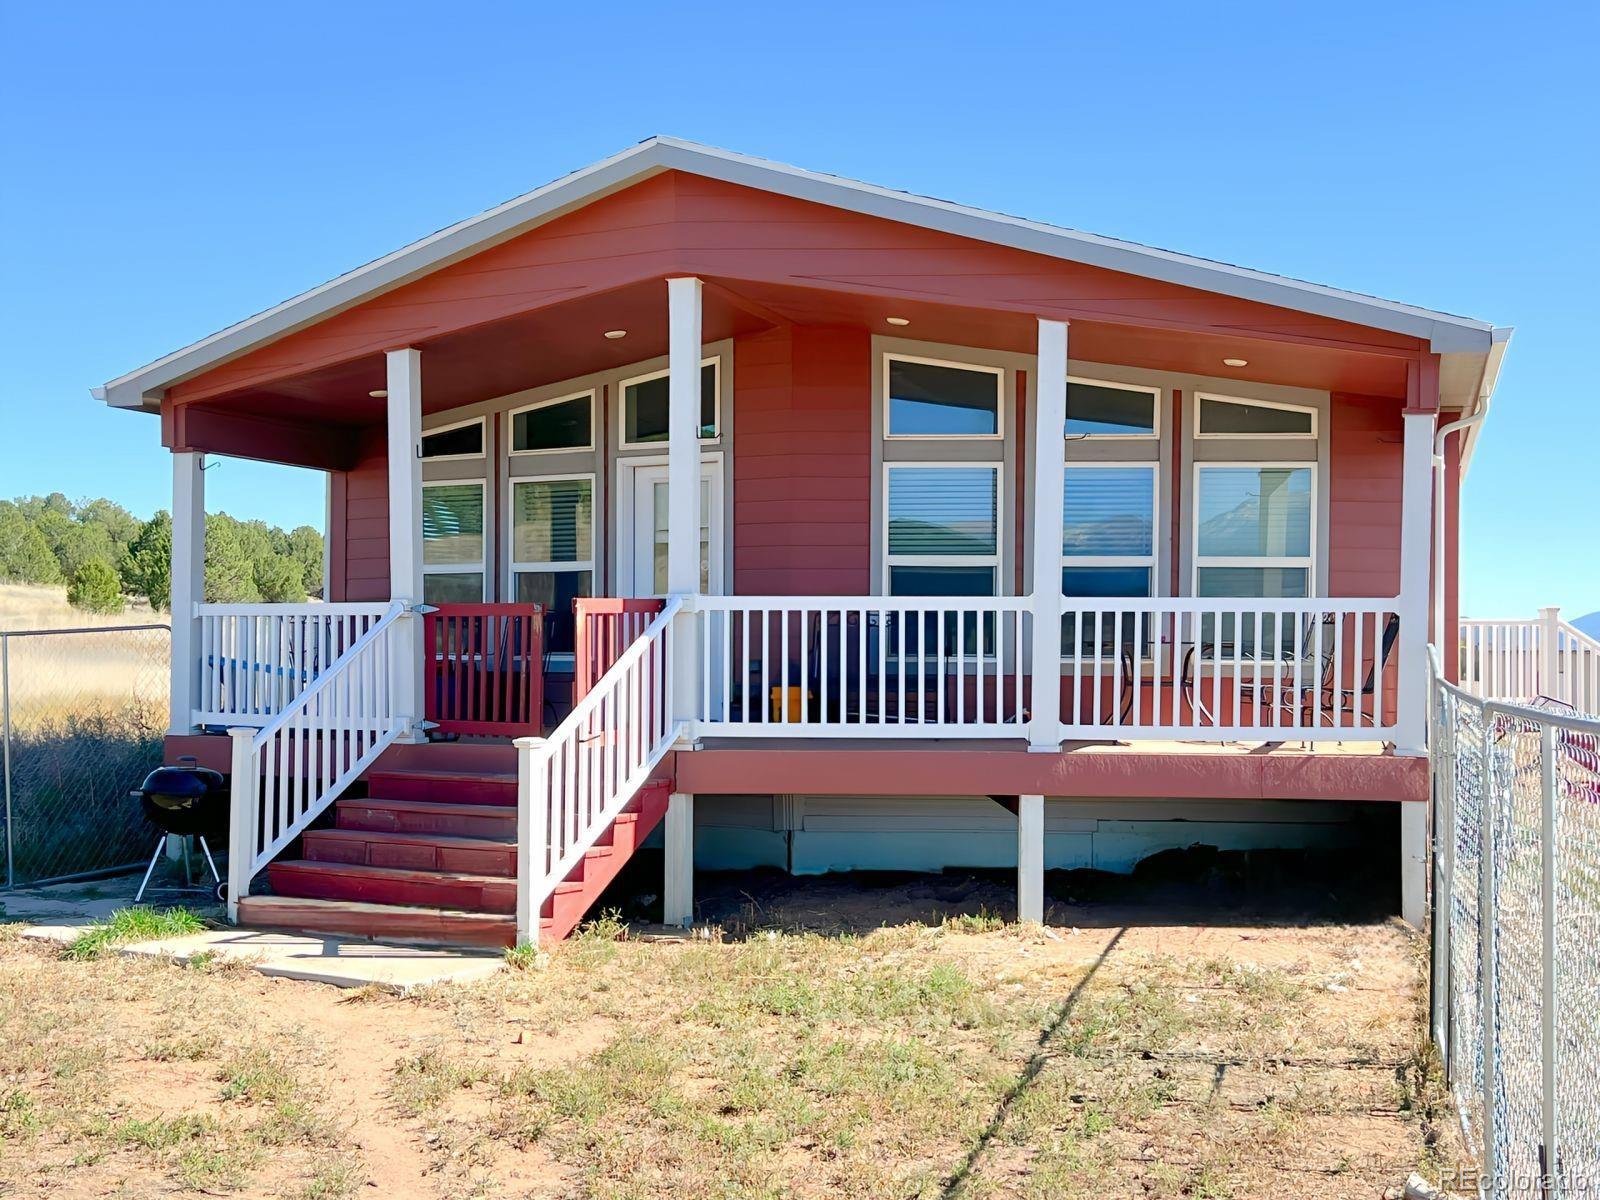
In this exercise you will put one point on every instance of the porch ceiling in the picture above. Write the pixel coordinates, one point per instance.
(566, 340)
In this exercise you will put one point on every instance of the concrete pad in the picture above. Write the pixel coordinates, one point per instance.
(342, 962)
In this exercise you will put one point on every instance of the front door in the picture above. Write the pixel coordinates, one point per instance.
(643, 558)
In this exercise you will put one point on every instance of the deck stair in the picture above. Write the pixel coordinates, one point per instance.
(431, 857)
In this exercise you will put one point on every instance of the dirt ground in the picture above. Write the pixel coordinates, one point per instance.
(790, 1048)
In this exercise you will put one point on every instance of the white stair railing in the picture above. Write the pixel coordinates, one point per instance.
(256, 658)
(288, 772)
(572, 785)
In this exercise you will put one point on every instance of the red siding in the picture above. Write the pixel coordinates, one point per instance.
(1364, 465)
(802, 463)
(359, 523)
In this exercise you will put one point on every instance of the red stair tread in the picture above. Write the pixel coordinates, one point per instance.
(418, 851)
(386, 922)
(393, 885)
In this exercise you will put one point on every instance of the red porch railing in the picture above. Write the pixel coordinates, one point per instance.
(604, 628)
(483, 668)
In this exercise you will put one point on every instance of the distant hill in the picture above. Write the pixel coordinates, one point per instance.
(1590, 625)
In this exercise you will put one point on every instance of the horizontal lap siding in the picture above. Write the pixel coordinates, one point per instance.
(1364, 460)
(359, 524)
(802, 474)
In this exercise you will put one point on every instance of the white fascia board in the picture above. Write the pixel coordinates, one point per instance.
(143, 388)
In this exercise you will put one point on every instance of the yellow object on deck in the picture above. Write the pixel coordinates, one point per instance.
(797, 704)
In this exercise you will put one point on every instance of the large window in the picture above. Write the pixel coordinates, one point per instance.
(1098, 409)
(565, 423)
(927, 398)
(552, 549)
(464, 439)
(1254, 529)
(943, 529)
(1108, 543)
(645, 406)
(452, 543)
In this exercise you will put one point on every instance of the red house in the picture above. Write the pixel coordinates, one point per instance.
(814, 518)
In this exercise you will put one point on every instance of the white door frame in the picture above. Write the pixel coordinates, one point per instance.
(627, 494)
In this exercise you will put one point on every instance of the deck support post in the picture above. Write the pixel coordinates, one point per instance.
(1049, 475)
(188, 581)
(1030, 858)
(677, 885)
(1413, 862)
(1550, 683)
(683, 490)
(1416, 562)
(404, 369)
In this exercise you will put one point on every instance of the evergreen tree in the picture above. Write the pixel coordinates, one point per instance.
(230, 572)
(95, 588)
(147, 568)
(278, 580)
(25, 556)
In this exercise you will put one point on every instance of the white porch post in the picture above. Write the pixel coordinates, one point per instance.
(1416, 561)
(1413, 862)
(405, 521)
(1049, 474)
(683, 487)
(677, 885)
(187, 584)
(1550, 657)
(1030, 858)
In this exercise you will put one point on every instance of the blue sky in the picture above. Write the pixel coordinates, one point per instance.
(168, 169)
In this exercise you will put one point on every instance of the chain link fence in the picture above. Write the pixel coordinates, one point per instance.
(82, 714)
(1516, 939)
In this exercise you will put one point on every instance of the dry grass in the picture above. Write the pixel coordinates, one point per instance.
(915, 1061)
(25, 606)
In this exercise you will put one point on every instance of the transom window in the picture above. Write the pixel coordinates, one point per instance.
(1108, 544)
(461, 440)
(1096, 408)
(452, 543)
(645, 406)
(943, 529)
(1228, 417)
(552, 549)
(927, 398)
(1253, 529)
(565, 423)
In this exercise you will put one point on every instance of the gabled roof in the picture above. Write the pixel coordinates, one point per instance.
(1444, 332)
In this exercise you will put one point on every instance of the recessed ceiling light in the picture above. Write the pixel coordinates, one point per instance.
(897, 320)
(1236, 362)
(614, 334)
(380, 394)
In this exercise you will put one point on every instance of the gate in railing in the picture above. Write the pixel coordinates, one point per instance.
(483, 669)
(604, 628)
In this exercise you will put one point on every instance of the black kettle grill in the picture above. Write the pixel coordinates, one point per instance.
(187, 800)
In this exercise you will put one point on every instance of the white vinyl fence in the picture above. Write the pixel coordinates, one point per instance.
(1527, 660)
(1516, 950)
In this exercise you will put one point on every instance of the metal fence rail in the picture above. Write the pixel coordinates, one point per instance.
(82, 714)
(1516, 939)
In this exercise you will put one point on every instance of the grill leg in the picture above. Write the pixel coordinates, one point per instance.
(150, 870)
(210, 862)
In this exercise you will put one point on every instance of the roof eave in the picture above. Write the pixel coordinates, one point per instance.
(145, 387)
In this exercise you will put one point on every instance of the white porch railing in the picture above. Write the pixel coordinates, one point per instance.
(288, 772)
(572, 785)
(1528, 660)
(256, 658)
(1231, 669)
(862, 666)
(948, 667)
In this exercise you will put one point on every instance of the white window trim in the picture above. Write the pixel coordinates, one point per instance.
(513, 565)
(511, 425)
(1308, 561)
(482, 565)
(1201, 397)
(1123, 560)
(999, 373)
(892, 560)
(1153, 391)
(711, 360)
(483, 443)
